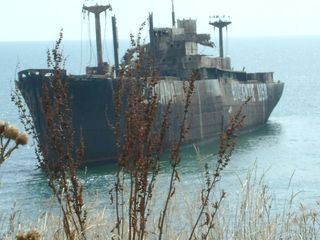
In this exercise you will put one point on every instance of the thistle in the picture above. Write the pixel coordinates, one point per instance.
(21, 139)
(10, 132)
(10, 139)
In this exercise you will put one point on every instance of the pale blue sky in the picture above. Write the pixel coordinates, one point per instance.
(42, 19)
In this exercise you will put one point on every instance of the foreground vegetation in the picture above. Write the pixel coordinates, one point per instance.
(250, 213)
(139, 208)
(10, 140)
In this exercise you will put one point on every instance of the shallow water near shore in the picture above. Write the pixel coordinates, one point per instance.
(287, 145)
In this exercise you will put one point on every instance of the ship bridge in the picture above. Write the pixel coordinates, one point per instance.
(175, 49)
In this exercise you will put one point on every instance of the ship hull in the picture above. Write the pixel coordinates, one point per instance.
(213, 102)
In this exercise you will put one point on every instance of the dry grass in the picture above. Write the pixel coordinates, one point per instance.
(249, 213)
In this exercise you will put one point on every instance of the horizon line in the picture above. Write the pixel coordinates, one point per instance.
(123, 39)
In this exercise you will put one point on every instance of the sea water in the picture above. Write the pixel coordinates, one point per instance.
(287, 147)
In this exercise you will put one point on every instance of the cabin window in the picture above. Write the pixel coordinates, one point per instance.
(48, 74)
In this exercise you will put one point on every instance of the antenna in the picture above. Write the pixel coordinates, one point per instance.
(220, 22)
(173, 15)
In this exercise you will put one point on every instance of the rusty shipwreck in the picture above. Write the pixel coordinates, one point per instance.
(220, 90)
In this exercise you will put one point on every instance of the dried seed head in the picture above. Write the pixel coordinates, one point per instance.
(22, 139)
(2, 126)
(11, 132)
(30, 235)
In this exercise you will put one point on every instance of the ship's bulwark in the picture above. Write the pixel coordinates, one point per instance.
(213, 102)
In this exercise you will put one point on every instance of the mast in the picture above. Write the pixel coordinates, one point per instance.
(173, 15)
(151, 35)
(220, 23)
(115, 44)
(96, 10)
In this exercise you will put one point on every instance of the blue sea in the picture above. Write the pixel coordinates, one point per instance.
(287, 148)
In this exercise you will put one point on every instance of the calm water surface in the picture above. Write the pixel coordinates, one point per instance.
(289, 143)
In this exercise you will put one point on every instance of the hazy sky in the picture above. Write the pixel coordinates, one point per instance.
(42, 19)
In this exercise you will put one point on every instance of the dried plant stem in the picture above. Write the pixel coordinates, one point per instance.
(226, 148)
(141, 128)
(57, 154)
(174, 156)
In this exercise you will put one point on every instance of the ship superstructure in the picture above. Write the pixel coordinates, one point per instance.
(176, 49)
